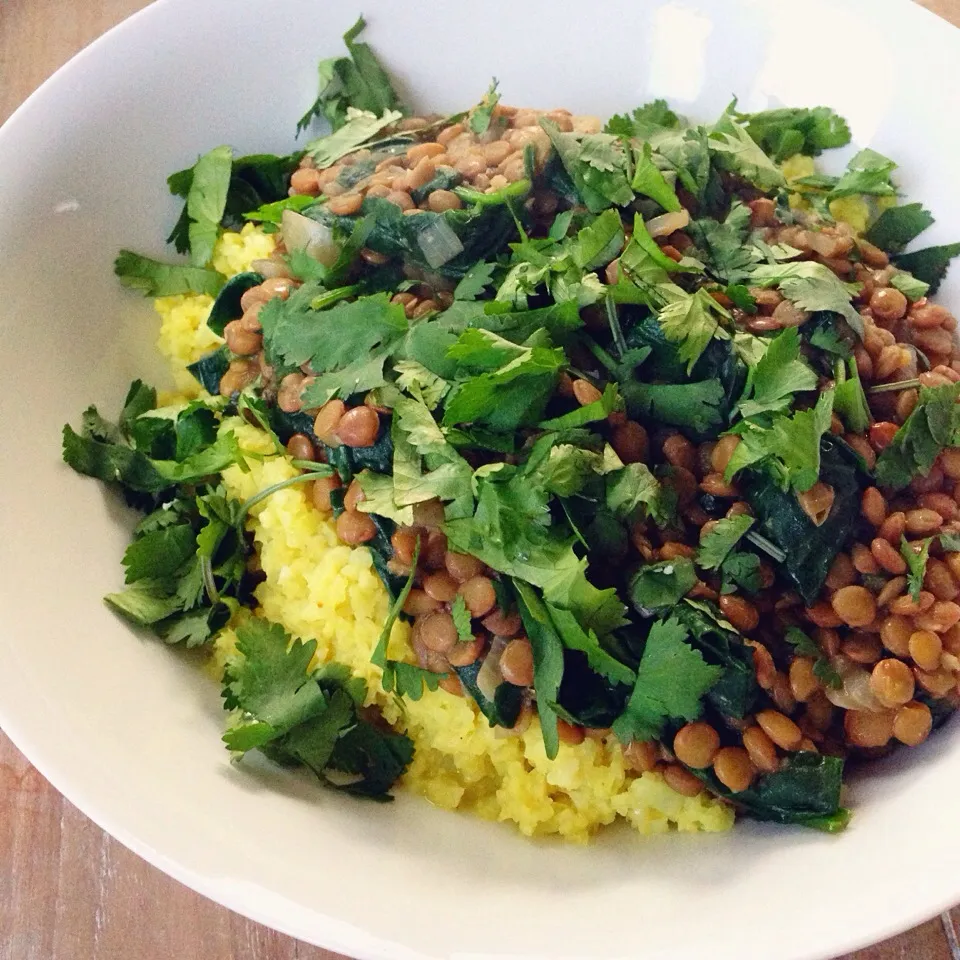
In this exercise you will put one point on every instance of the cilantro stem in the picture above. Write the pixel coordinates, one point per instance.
(890, 387)
(767, 546)
(267, 491)
(379, 656)
(331, 297)
(209, 584)
(615, 331)
(601, 354)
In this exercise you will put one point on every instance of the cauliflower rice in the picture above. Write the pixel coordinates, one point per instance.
(320, 588)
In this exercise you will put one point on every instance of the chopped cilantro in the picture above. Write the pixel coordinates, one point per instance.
(597, 163)
(811, 286)
(672, 680)
(916, 561)
(736, 151)
(785, 131)
(692, 321)
(461, 619)
(658, 586)
(157, 279)
(776, 377)
(307, 717)
(649, 180)
(933, 425)
(789, 448)
(644, 121)
(356, 81)
(912, 288)
(868, 172)
(715, 546)
(480, 116)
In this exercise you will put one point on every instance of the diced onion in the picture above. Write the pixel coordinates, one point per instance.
(438, 243)
(302, 233)
(271, 268)
(489, 676)
(667, 223)
(856, 693)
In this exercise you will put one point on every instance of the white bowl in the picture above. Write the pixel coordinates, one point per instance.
(129, 731)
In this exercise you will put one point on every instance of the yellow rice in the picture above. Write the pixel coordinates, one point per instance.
(319, 588)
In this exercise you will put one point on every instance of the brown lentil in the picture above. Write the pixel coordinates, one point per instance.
(696, 744)
(854, 605)
(761, 750)
(892, 682)
(865, 728)
(681, 780)
(734, 769)
(516, 662)
(326, 421)
(912, 723)
(355, 528)
(300, 447)
(780, 729)
(478, 594)
(322, 488)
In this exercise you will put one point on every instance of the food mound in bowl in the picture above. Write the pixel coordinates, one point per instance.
(565, 471)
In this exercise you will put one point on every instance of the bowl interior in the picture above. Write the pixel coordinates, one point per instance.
(130, 730)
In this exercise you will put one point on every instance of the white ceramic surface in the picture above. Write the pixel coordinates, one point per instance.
(129, 731)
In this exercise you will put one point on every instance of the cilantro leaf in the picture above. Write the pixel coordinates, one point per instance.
(916, 564)
(644, 121)
(271, 683)
(145, 602)
(672, 680)
(160, 553)
(359, 128)
(868, 172)
(950, 542)
(597, 164)
(648, 180)
(695, 406)
(206, 202)
(715, 546)
(588, 413)
(480, 116)
(271, 214)
(928, 265)
(574, 637)
(912, 288)
(692, 321)
(356, 81)
(630, 489)
(657, 586)
(307, 717)
(933, 425)
(811, 286)
(786, 131)
(511, 532)
(461, 619)
(422, 384)
(789, 448)
(158, 279)
(741, 569)
(511, 385)
(722, 245)
(897, 226)
(737, 152)
(776, 377)
(475, 281)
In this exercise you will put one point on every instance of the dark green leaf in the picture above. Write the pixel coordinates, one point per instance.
(897, 226)
(930, 264)
(656, 586)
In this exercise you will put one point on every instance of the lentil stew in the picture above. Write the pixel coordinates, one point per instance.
(650, 428)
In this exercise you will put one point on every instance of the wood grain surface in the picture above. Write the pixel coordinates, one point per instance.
(67, 890)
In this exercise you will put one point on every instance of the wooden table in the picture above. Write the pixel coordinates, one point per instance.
(67, 890)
